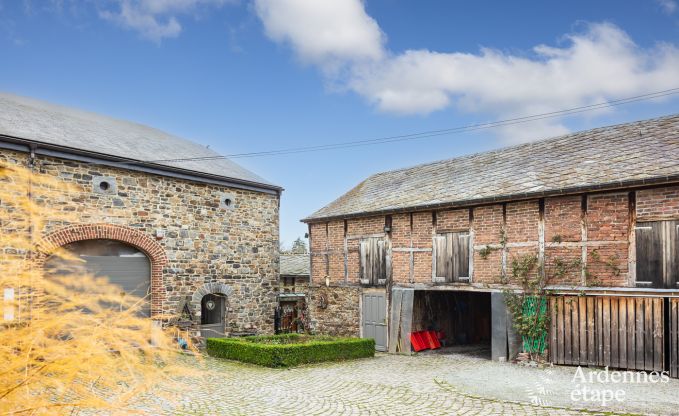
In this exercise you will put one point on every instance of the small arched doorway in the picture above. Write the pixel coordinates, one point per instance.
(212, 313)
(121, 264)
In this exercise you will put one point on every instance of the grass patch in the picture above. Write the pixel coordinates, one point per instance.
(289, 350)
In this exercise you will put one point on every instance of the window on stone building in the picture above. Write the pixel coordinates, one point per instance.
(656, 254)
(451, 257)
(373, 261)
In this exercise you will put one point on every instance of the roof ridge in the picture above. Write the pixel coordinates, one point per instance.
(74, 131)
(527, 144)
(605, 157)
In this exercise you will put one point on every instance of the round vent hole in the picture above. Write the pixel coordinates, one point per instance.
(227, 202)
(104, 186)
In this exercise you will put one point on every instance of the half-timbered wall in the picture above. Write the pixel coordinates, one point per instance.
(597, 229)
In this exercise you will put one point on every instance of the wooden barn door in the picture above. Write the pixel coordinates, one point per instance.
(618, 332)
(674, 337)
(374, 261)
(375, 318)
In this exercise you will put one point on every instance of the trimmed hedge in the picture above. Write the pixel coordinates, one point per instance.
(290, 350)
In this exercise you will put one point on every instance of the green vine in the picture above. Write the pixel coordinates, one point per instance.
(528, 307)
(487, 250)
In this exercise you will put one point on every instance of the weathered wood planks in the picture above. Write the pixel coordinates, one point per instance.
(618, 332)
(451, 256)
(374, 268)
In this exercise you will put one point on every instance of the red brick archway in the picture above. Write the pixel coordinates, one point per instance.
(144, 242)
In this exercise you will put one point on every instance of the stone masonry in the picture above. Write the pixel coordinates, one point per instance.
(192, 240)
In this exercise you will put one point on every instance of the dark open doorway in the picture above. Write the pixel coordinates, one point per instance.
(212, 312)
(461, 320)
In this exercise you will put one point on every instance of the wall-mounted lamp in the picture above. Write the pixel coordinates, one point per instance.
(387, 229)
(306, 235)
(327, 281)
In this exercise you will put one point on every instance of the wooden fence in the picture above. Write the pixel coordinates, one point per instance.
(618, 332)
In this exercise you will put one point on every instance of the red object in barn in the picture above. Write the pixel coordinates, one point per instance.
(418, 341)
(432, 339)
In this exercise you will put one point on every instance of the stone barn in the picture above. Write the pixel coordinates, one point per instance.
(434, 247)
(197, 237)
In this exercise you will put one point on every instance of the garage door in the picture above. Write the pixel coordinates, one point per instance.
(122, 264)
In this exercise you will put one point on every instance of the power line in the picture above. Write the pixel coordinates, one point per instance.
(432, 133)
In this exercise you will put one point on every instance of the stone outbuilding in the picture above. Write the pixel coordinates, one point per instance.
(433, 248)
(293, 293)
(161, 216)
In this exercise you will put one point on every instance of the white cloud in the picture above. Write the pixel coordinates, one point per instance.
(155, 19)
(599, 63)
(668, 6)
(325, 33)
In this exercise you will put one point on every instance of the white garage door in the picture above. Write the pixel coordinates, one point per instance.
(122, 264)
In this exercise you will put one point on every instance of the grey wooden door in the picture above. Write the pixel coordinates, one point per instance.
(375, 319)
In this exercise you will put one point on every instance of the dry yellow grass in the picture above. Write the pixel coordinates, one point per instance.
(74, 342)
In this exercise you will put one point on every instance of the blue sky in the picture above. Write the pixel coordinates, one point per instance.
(259, 75)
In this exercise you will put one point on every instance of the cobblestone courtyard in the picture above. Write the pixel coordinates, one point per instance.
(391, 385)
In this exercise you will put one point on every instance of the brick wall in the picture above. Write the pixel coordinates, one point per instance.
(608, 217)
(522, 221)
(336, 251)
(400, 239)
(563, 218)
(488, 224)
(365, 226)
(452, 220)
(423, 227)
(658, 204)
(608, 222)
(604, 240)
(488, 269)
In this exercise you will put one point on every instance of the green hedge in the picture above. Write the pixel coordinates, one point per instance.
(290, 350)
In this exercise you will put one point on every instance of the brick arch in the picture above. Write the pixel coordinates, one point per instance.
(144, 242)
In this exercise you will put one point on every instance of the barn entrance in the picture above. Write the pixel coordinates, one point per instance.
(121, 264)
(460, 320)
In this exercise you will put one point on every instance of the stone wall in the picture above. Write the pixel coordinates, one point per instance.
(204, 241)
(334, 310)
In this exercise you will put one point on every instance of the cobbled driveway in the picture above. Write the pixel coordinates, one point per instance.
(385, 385)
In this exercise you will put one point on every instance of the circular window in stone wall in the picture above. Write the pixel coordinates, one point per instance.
(104, 185)
(226, 201)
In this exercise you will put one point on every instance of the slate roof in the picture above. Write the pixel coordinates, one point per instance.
(622, 155)
(294, 265)
(68, 128)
